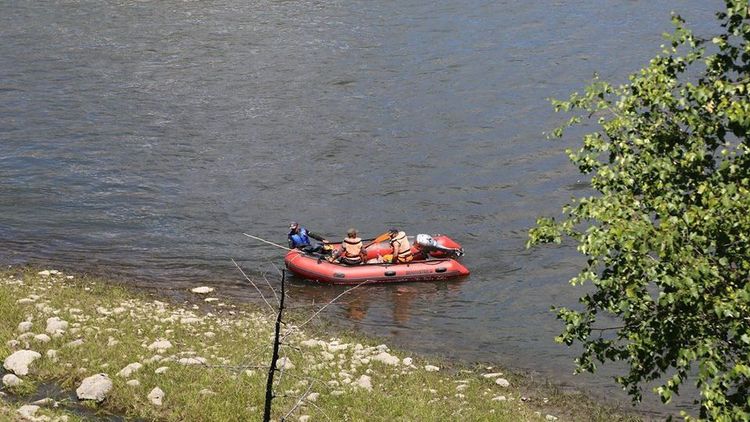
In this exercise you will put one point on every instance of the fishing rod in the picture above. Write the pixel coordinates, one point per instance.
(266, 241)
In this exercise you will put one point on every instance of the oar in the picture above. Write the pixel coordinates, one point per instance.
(266, 241)
(378, 239)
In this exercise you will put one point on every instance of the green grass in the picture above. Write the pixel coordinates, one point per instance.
(117, 325)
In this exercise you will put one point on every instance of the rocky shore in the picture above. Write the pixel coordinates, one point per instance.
(122, 352)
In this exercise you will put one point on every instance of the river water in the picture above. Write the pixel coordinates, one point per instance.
(142, 138)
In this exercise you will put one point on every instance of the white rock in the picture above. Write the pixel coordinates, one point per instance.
(284, 363)
(189, 320)
(160, 344)
(75, 343)
(209, 334)
(42, 338)
(386, 358)
(12, 344)
(364, 382)
(44, 273)
(25, 301)
(312, 343)
(52, 355)
(133, 383)
(45, 402)
(211, 299)
(312, 397)
(337, 393)
(202, 290)
(152, 359)
(129, 370)
(493, 375)
(206, 392)
(192, 361)
(25, 326)
(550, 418)
(156, 396)
(19, 362)
(335, 347)
(304, 418)
(462, 387)
(28, 412)
(431, 368)
(407, 361)
(10, 380)
(161, 369)
(55, 325)
(26, 336)
(95, 387)
(502, 382)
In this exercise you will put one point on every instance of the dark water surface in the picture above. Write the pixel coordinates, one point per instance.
(141, 138)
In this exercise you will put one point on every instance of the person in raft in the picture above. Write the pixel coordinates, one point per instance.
(401, 252)
(351, 249)
(299, 238)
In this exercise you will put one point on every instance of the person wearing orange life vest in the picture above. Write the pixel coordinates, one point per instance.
(351, 249)
(401, 247)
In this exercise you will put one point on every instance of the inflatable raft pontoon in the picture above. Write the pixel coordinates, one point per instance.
(429, 264)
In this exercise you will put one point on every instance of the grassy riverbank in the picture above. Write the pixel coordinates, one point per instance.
(210, 360)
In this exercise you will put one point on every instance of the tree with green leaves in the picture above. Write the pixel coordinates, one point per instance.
(667, 232)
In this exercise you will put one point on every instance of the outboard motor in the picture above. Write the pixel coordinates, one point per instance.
(431, 247)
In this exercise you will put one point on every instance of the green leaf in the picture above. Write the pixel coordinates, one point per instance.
(667, 236)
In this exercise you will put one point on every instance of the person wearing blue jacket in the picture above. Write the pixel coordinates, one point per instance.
(299, 238)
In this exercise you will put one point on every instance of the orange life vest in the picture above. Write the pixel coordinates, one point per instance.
(401, 247)
(352, 249)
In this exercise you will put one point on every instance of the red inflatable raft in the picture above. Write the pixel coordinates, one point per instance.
(430, 263)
